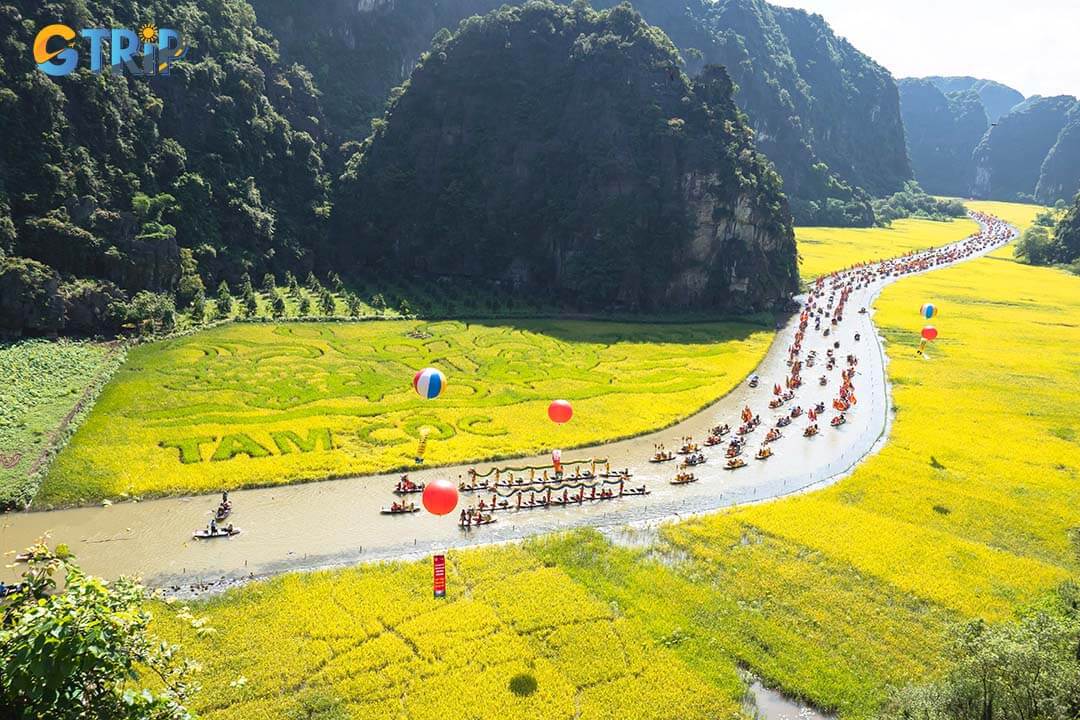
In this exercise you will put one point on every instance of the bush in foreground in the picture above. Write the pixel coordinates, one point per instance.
(85, 652)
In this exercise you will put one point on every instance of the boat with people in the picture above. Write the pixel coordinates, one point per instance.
(689, 448)
(713, 440)
(773, 435)
(735, 464)
(662, 456)
(684, 478)
(747, 428)
(838, 420)
(405, 486)
(811, 431)
(720, 430)
(224, 508)
(784, 421)
(764, 453)
(400, 508)
(216, 532)
(754, 381)
(692, 460)
(473, 518)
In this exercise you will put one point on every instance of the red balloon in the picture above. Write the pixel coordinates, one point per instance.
(440, 497)
(929, 332)
(560, 411)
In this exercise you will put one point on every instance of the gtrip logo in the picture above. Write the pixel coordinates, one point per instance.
(146, 52)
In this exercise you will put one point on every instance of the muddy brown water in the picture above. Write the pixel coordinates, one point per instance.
(337, 522)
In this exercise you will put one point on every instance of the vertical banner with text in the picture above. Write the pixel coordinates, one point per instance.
(440, 576)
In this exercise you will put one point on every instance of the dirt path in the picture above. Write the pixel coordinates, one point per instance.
(337, 522)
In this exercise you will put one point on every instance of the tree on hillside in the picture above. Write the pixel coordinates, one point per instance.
(86, 652)
(292, 285)
(277, 305)
(335, 282)
(198, 307)
(353, 304)
(326, 302)
(1034, 246)
(224, 300)
(1038, 246)
(151, 311)
(250, 305)
(191, 283)
(1066, 247)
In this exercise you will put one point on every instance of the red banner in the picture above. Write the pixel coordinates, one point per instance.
(440, 576)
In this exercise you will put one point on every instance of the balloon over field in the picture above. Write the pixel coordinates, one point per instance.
(928, 310)
(428, 383)
(440, 497)
(560, 411)
(929, 332)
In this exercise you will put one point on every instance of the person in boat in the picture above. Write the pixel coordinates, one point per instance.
(229, 529)
(213, 526)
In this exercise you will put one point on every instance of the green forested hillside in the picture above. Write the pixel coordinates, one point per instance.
(1009, 158)
(971, 137)
(1059, 176)
(942, 130)
(111, 184)
(826, 115)
(997, 98)
(561, 150)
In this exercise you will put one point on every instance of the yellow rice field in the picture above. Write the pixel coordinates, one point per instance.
(967, 512)
(257, 404)
(824, 249)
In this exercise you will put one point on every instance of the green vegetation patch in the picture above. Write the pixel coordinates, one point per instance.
(46, 389)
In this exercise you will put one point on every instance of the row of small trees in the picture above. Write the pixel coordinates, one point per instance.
(1054, 238)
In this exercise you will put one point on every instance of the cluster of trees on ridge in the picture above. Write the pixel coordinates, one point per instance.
(1054, 238)
(113, 186)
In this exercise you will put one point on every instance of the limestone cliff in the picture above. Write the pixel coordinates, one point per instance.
(561, 150)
